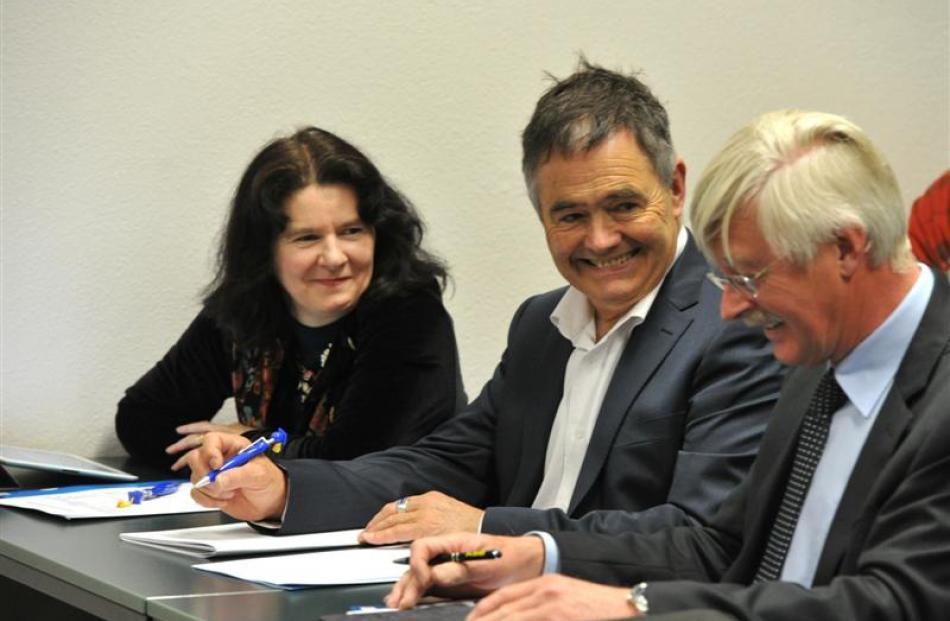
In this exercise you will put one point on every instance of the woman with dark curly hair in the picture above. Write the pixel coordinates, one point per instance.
(325, 318)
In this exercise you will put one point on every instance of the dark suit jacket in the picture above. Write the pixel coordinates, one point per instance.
(887, 555)
(679, 427)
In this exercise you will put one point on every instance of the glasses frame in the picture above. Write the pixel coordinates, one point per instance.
(746, 284)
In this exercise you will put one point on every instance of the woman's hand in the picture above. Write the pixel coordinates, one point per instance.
(194, 435)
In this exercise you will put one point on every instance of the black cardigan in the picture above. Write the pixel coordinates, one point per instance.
(404, 381)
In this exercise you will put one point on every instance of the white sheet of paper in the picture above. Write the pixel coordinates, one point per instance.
(102, 502)
(334, 567)
(229, 539)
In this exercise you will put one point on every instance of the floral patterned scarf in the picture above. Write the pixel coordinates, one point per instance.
(254, 377)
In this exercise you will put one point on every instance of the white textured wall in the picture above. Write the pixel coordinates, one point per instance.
(125, 126)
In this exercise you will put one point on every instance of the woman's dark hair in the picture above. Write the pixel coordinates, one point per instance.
(245, 298)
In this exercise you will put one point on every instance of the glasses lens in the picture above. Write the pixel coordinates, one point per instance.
(746, 285)
(740, 284)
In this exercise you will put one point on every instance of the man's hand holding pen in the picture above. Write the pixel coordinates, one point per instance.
(513, 578)
(520, 558)
(255, 491)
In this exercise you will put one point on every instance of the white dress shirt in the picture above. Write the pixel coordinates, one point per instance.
(866, 375)
(586, 378)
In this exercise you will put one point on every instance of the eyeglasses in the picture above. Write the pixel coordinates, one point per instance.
(742, 283)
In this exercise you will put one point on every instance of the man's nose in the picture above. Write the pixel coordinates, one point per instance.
(603, 233)
(734, 303)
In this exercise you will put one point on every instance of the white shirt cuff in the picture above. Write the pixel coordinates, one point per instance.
(552, 560)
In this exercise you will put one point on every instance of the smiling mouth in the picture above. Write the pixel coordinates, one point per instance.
(611, 262)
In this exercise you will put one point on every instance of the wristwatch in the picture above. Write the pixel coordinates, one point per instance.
(638, 599)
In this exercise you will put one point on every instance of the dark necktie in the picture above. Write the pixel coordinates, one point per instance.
(828, 398)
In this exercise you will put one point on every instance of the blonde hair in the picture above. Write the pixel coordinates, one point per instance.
(808, 175)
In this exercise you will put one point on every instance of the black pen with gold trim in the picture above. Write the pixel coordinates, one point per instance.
(458, 557)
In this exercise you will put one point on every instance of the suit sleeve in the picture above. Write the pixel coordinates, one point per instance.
(701, 553)
(405, 380)
(458, 459)
(188, 384)
(733, 389)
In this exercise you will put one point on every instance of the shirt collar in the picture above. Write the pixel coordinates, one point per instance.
(867, 372)
(574, 318)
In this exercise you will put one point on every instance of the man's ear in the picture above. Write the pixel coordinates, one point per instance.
(678, 188)
(852, 246)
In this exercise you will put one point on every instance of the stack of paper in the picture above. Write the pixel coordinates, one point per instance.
(230, 539)
(336, 567)
(353, 565)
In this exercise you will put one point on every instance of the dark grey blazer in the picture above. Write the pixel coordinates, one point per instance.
(678, 429)
(887, 555)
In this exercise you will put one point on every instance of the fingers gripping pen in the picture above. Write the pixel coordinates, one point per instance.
(275, 442)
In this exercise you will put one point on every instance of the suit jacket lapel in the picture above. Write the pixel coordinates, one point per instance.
(547, 388)
(889, 429)
(648, 346)
(884, 438)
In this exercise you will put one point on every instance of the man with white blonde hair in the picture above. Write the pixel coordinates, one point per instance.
(846, 513)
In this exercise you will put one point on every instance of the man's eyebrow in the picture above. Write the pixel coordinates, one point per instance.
(741, 266)
(563, 206)
(624, 193)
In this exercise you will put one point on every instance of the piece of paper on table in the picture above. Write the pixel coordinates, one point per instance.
(101, 501)
(335, 567)
(230, 539)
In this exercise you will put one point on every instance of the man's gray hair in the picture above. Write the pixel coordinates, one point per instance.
(808, 175)
(583, 110)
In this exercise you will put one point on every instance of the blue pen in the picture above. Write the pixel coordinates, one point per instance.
(136, 496)
(249, 452)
